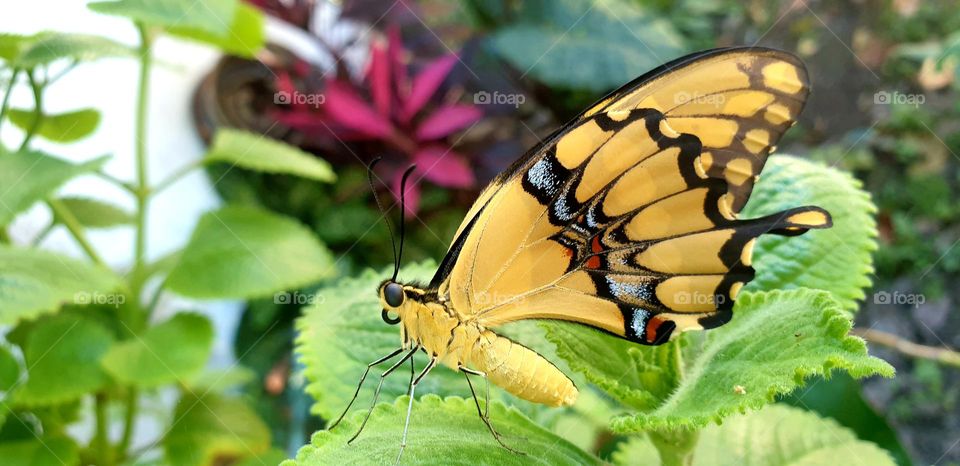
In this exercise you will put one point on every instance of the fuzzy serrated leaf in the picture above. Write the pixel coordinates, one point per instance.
(33, 282)
(60, 127)
(257, 152)
(636, 376)
(27, 177)
(442, 432)
(170, 352)
(775, 340)
(838, 259)
(775, 436)
(244, 252)
(62, 355)
(94, 213)
(343, 332)
(214, 429)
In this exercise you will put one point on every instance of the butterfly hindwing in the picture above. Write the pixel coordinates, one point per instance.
(626, 219)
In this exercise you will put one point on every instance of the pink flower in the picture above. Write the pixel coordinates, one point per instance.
(397, 112)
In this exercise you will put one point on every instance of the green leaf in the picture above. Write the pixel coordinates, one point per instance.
(593, 46)
(441, 432)
(256, 152)
(776, 435)
(170, 352)
(838, 259)
(220, 380)
(62, 127)
(33, 282)
(9, 371)
(94, 213)
(775, 340)
(639, 377)
(841, 399)
(343, 332)
(245, 36)
(46, 48)
(271, 457)
(12, 45)
(43, 451)
(229, 24)
(214, 429)
(27, 177)
(62, 356)
(244, 252)
(212, 16)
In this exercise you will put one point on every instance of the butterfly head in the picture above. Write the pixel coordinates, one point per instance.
(392, 298)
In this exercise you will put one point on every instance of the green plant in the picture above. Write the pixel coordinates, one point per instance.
(85, 345)
(791, 324)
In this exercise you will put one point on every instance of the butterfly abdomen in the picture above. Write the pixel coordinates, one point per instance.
(520, 370)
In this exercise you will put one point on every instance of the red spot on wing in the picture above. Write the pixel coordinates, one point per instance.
(652, 325)
(595, 244)
(593, 262)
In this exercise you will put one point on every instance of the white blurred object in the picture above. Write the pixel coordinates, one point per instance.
(110, 86)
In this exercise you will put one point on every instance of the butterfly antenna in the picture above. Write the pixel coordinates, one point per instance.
(403, 210)
(383, 213)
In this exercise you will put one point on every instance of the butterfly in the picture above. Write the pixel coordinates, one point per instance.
(624, 220)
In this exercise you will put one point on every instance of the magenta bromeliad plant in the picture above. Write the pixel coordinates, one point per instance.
(400, 110)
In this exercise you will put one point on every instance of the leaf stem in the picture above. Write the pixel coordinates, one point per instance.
(117, 181)
(676, 446)
(942, 355)
(62, 213)
(6, 96)
(142, 191)
(177, 175)
(101, 440)
(129, 420)
(37, 110)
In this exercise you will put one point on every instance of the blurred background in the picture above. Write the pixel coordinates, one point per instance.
(468, 87)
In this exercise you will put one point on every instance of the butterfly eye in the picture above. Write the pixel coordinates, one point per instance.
(393, 294)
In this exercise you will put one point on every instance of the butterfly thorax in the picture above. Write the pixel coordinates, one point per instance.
(428, 322)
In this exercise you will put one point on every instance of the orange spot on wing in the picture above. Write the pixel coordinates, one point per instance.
(595, 245)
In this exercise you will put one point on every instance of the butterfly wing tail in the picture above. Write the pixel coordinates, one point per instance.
(792, 222)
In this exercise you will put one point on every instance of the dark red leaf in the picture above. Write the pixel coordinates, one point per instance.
(395, 51)
(425, 85)
(446, 120)
(378, 77)
(442, 166)
(347, 108)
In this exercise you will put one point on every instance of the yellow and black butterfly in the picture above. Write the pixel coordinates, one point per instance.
(624, 220)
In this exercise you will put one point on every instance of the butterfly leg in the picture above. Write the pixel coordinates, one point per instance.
(360, 384)
(413, 387)
(485, 413)
(376, 394)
